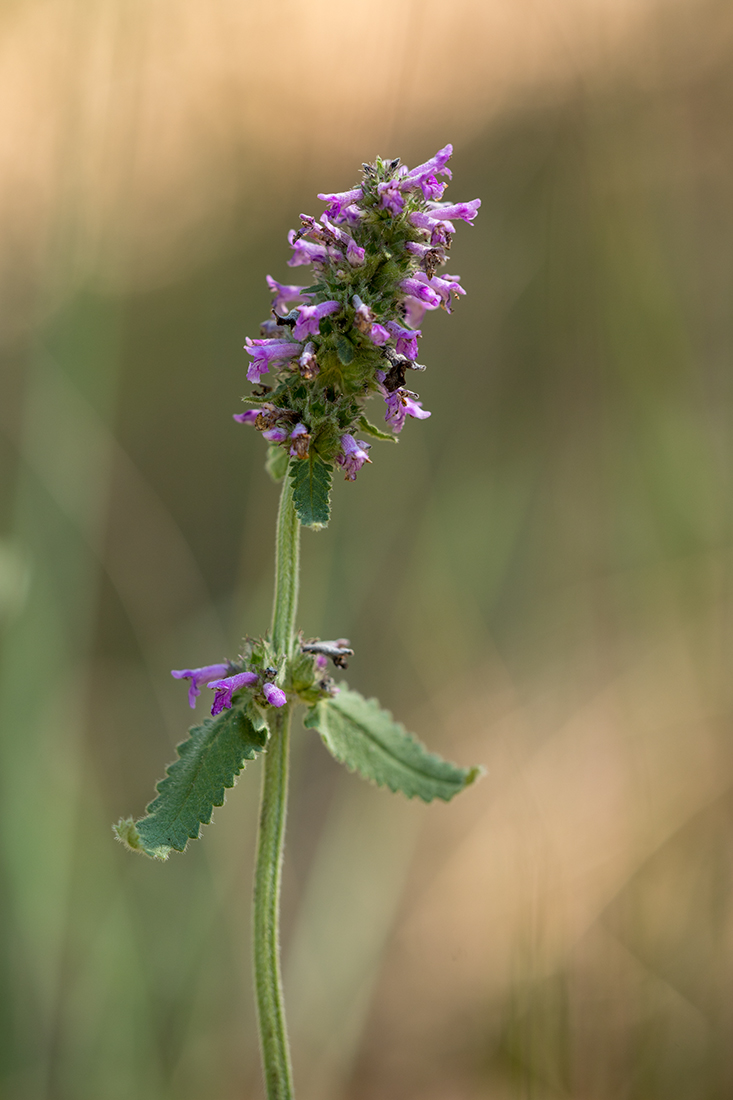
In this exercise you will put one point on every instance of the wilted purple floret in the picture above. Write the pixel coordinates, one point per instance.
(378, 335)
(354, 453)
(275, 696)
(406, 339)
(298, 430)
(265, 352)
(309, 318)
(363, 315)
(247, 417)
(341, 199)
(423, 250)
(198, 676)
(284, 293)
(308, 363)
(225, 689)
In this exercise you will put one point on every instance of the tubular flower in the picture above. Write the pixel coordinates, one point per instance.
(354, 453)
(309, 319)
(226, 687)
(284, 293)
(198, 676)
(376, 253)
(264, 352)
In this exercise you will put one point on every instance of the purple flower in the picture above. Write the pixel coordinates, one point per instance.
(341, 199)
(431, 256)
(309, 318)
(390, 197)
(225, 689)
(305, 252)
(467, 211)
(198, 676)
(426, 173)
(275, 696)
(308, 363)
(265, 352)
(400, 405)
(354, 254)
(378, 335)
(248, 417)
(321, 661)
(432, 188)
(419, 287)
(445, 286)
(414, 312)
(440, 231)
(284, 293)
(354, 453)
(275, 435)
(406, 339)
(352, 215)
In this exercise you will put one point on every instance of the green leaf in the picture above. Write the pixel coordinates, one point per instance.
(359, 734)
(276, 462)
(345, 350)
(311, 490)
(208, 762)
(371, 430)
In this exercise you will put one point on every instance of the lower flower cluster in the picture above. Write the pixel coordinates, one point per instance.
(354, 330)
(226, 683)
(303, 677)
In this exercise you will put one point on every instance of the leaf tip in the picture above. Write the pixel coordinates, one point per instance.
(474, 774)
(126, 832)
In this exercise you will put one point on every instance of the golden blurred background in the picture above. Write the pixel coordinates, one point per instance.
(538, 578)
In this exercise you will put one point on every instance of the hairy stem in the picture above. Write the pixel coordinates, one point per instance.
(273, 810)
(287, 570)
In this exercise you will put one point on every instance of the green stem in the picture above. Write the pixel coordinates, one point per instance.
(273, 810)
(287, 569)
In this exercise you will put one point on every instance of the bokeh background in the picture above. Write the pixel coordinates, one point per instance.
(537, 578)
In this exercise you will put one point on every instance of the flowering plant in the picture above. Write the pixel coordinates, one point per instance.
(328, 347)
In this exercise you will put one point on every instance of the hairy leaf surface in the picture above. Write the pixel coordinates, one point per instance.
(208, 762)
(365, 426)
(359, 734)
(311, 490)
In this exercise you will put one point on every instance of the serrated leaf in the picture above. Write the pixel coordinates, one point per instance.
(208, 762)
(311, 490)
(359, 734)
(376, 432)
(276, 462)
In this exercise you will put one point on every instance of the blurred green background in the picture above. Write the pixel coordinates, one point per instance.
(538, 577)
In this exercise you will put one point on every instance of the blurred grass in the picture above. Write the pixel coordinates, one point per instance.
(538, 577)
